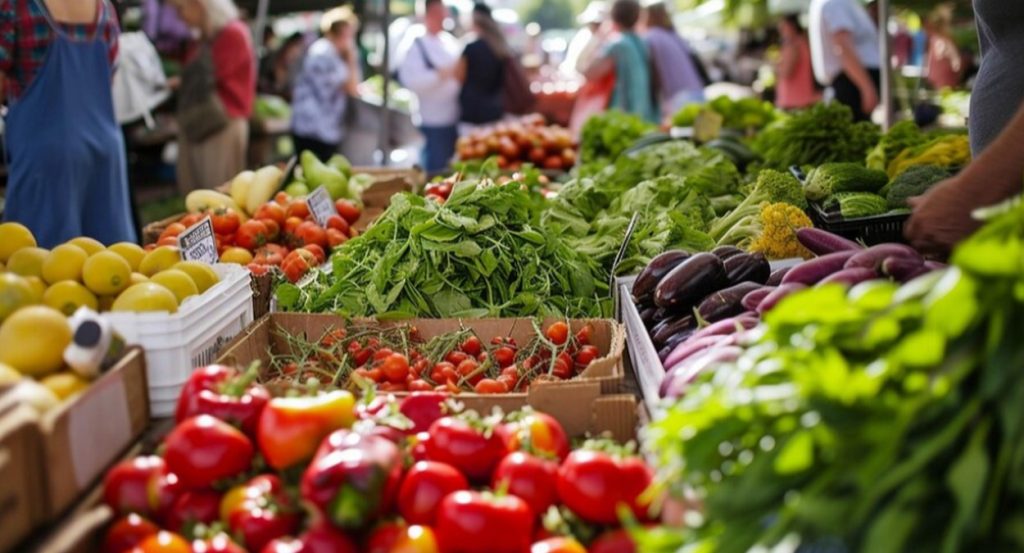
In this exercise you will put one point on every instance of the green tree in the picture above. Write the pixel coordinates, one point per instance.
(550, 14)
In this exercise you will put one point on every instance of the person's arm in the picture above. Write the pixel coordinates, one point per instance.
(414, 73)
(460, 68)
(788, 56)
(842, 41)
(602, 65)
(942, 216)
(355, 71)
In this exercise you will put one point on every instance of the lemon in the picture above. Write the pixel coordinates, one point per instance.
(67, 296)
(27, 261)
(148, 296)
(90, 245)
(8, 375)
(202, 274)
(241, 256)
(132, 253)
(15, 293)
(65, 384)
(178, 282)
(33, 339)
(38, 288)
(159, 259)
(64, 263)
(13, 237)
(137, 278)
(106, 273)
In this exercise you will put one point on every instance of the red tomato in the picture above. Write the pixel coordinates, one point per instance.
(504, 356)
(267, 256)
(273, 229)
(585, 356)
(271, 210)
(491, 386)
(425, 485)
(456, 357)
(613, 541)
(318, 251)
(167, 241)
(163, 542)
(469, 449)
(584, 335)
(193, 507)
(191, 219)
(203, 450)
(558, 545)
(532, 479)
(335, 238)
(348, 210)
(593, 484)
(472, 346)
(298, 208)
(282, 198)
(128, 532)
(471, 522)
(395, 367)
(290, 224)
(252, 235)
(297, 264)
(225, 220)
(539, 434)
(337, 222)
(420, 385)
(173, 230)
(558, 333)
(311, 233)
(142, 485)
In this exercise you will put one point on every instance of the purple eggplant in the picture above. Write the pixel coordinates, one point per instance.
(659, 315)
(671, 327)
(778, 295)
(725, 252)
(681, 375)
(694, 346)
(903, 269)
(873, 257)
(692, 280)
(647, 280)
(728, 326)
(752, 267)
(822, 242)
(725, 303)
(777, 275)
(672, 342)
(934, 265)
(851, 276)
(814, 270)
(755, 297)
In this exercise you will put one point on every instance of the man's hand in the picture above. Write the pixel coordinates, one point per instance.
(942, 216)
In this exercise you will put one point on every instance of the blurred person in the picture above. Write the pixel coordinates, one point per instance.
(585, 44)
(280, 68)
(626, 56)
(945, 66)
(845, 53)
(216, 94)
(67, 170)
(330, 74)
(427, 68)
(163, 26)
(481, 70)
(795, 84)
(679, 81)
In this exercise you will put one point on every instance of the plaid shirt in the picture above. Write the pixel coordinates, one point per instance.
(25, 37)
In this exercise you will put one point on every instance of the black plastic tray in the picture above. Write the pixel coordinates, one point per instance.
(869, 230)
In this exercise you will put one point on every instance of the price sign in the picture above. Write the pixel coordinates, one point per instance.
(321, 206)
(197, 243)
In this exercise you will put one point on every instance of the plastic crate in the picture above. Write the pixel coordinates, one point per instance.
(177, 343)
(870, 230)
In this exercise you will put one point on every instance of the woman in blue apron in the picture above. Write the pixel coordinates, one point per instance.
(67, 174)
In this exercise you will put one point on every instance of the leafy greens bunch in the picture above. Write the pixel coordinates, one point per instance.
(817, 135)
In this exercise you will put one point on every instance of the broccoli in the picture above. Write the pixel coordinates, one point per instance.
(833, 178)
(901, 136)
(772, 187)
(772, 231)
(914, 182)
(857, 204)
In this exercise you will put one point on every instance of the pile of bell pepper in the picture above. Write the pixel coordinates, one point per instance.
(320, 472)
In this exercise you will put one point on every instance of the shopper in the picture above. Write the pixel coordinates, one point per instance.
(679, 81)
(585, 44)
(944, 62)
(845, 53)
(67, 173)
(942, 217)
(280, 68)
(215, 99)
(481, 70)
(429, 57)
(330, 74)
(795, 79)
(626, 55)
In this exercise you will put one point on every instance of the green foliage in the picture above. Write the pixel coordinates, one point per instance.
(852, 205)
(550, 14)
(901, 136)
(771, 187)
(820, 134)
(607, 135)
(833, 178)
(914, 182)
(743, 114)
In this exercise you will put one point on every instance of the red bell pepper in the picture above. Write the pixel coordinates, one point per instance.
(259, 511)
(192, 508)
(593, 484)
(205, 450)
(128, 532)
(423, 408)
(473, 522)
(399, 538)
(291, 428)
(225, 393)
(142, 485)
(320, 538)
(220, 543)
(536, 433)
(354, 478)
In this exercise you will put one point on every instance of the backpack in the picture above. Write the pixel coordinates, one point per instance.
(518, 99)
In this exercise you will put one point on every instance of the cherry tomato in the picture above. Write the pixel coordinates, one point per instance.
(584, 335)
(557, 333)
(225, 220)
(456, 357)
(348, 210)
(395, 367)
(473, 451)
(539, 434)
(504, 356)
(585, 356)
(425, 485)
(472, 346)
(491, 386)
(128, 532)
(420, 385)
(252, 234)
(203, 450)
(532, 479)
(471, 522)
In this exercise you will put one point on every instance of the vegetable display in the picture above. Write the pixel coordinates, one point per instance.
(820, 134)
(607, 135)
(742, 114)
(912, 183)
(524, 140)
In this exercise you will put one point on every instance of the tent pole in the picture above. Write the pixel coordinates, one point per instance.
(261, 24)
(885, 66)
(385, 112)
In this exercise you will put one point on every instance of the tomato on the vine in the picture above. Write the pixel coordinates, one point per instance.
(472, 346)
(491, 386)
(395, 367)
(585, 356)
(557, 333)
(504, 356)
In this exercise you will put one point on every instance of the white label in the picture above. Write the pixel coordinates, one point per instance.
(321, 206)
(197, 243)
(99, 427)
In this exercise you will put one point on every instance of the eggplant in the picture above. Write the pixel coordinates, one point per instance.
(752, 267)
(647, 280)
(778, 295)
(647, 316)
(726, 303)
(681, 375)
(691, 281)
(728, 326)
(671, 327)
(754, 298)
(822, 242)
(873, 257)
(934, 265)
(903, 269)
(814, 270)
(777, 275)
(693, 346)
(672, 342)
(725, 252)
(851, 276)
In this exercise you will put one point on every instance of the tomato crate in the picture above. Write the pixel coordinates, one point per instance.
(175, 343)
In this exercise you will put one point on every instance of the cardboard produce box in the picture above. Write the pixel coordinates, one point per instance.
(22, 505)
(562, 398)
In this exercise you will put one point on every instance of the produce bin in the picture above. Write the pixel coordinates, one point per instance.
(642, 355)
(562, 399)
(53, 459)
(869, 230)
(176, 343)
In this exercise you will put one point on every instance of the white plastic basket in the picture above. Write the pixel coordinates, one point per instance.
(177, 343)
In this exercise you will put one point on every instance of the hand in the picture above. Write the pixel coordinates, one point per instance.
(868, 100)
(446, 73)
(174, 83)
(942, 217)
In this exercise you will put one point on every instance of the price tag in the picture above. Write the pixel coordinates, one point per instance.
(197, 243)
(321, 206)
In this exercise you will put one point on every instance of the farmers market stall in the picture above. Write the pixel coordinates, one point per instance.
(639, 342)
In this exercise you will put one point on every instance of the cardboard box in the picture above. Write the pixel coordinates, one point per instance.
(562, 399)
(22, 505)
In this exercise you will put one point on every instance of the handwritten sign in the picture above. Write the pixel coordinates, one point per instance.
(321, 206)
(197, 243)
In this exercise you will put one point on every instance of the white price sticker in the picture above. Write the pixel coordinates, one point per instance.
(197, 243)
(321, 206)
